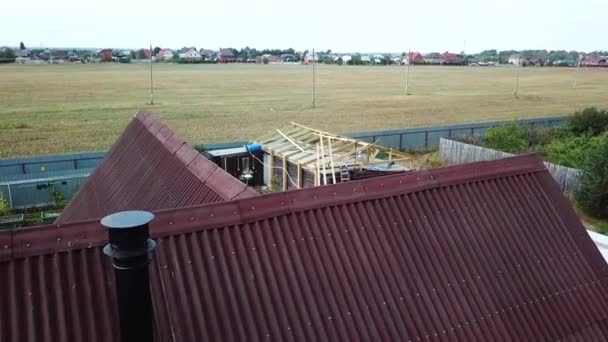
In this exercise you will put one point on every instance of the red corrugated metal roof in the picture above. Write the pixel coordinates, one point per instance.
(477, 252)
(150, 168)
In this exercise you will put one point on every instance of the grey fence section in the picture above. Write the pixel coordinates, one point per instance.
(29, 182)
(9, 168)
(38, 192)
(425, 138)
(455, 152)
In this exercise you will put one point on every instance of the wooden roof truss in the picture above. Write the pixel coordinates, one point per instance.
(322, 152)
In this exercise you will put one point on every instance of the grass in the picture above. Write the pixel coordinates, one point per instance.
(49, 109)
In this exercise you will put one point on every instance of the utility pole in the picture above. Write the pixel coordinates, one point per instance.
(313, 79)
(517, 77)
(151, 81)
(407, 73)
(578, 67)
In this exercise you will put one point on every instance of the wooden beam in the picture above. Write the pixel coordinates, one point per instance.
(285, 175)
(331, 160)
(290, 140)
(271, 165)
(318, 173)
(323, 163)
(299, 175)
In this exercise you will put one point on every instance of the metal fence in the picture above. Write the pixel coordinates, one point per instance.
(456, 152)
(426, 138)
(40, 166)
(30, 182)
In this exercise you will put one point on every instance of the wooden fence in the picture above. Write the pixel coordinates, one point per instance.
(455, 152)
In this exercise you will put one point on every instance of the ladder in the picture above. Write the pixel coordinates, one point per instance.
(344, 173)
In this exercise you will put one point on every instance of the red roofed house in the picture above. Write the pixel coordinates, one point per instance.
(150, 168)
(488, 251)
(226, 56)
(413, 58)
(452, 59)
(164, 54)
(594, 62)
(310, 58)
(106, 55)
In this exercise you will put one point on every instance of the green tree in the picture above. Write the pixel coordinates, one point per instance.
(156, 50)
(265, 60)
(588, 121)
(510, 137)
(592, 194)
(571, 151)
(21, 46)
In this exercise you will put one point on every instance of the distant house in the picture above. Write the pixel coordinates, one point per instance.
(310, 58)
(449, 58)
(433, 58)
(413, 58)
(106, 55)
(274, 59)
(164, 54)
(287, 57)
(595, 62)
(226, 56)
(365, 59)
(191, 56)
(346, 58)
(21, 56)
(526, 61)
(207, 54)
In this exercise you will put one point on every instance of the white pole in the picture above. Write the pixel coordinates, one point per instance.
(407, 74)
(10, 196)
(578, 68)
(517, 77)
(151, 82)
(313, 79)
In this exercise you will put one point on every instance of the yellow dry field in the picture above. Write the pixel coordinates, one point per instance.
(51, 109)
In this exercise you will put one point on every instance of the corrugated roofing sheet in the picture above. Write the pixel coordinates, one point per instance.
(489, 251)
(149, 168)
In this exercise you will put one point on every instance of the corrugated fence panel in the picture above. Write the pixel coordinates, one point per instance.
(34, 165)
(455, 152)
(428, 137)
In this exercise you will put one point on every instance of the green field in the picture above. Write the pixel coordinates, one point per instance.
(49, 109)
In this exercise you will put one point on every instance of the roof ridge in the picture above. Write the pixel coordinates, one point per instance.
(186, 154)
(61, 237)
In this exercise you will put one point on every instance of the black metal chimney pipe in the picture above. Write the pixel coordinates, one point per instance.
(129, 247)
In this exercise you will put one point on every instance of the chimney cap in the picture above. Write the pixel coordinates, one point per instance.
(127, 219)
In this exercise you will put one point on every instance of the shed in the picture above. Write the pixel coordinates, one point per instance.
(300, 157)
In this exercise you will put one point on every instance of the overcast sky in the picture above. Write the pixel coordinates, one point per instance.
(347, 26)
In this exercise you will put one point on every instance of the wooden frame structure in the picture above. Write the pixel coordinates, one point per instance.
(323, 153)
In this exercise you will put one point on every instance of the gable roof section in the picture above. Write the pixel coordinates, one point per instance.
(150, 168)
(481, 251)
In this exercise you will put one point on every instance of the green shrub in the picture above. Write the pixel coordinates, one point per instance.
(571, 151)
(542, 136)
(589, 121)
(508, 138)
(592, 194)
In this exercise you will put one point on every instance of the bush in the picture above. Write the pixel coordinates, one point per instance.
(589, 121)
(592, 195)
(571, 151)
(542, 136)
(508, 138)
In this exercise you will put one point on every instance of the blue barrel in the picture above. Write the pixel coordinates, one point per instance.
(252, 148)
